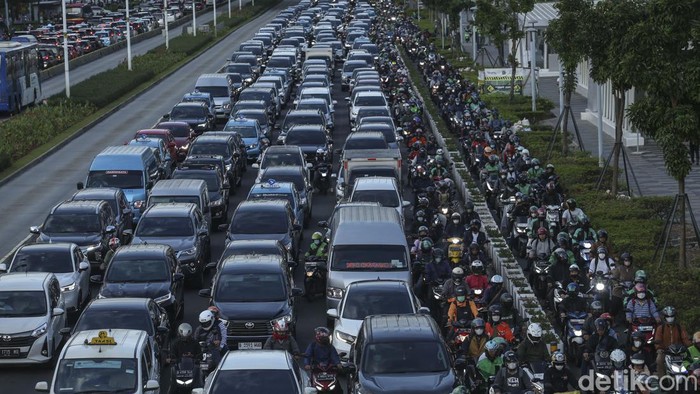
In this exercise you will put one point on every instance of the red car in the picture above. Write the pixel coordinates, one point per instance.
(163, 134)
(183, 134)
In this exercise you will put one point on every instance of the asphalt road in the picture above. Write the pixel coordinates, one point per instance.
(33, 194)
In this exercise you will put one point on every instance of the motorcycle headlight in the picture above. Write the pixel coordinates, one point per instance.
(285, 318)
(347, 338)
(309, 273)
(202, 125)
(587, 245)
(600, 286)
(164, 298)
(444, 211)
(249, 80)
(678, 368)
(578, 333)
(303, 201)
(69, 287)
(139, 204)
(189, 252)
(185, 147)
(455, 240)
(184, 382)
(39, 331)
(335, 292)
(94, 247)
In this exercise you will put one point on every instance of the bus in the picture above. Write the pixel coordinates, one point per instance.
(20, 85)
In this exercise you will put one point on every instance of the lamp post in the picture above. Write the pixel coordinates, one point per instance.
(128, 38)
(66, 68)
(240, 5)
(229, 9)
(165, 21)
(194, 19)
(533, 57)
(214, 18)
(474, 44)
(599, 123)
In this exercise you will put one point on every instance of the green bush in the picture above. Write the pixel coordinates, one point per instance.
(189, 44)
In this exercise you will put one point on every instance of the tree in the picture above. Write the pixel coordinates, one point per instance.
(568, 35)
(499, 20)
(608, 25)
(665, 63)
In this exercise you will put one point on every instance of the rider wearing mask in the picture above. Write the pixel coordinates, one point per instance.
(595, 310)
(641, 307)
(603, 241)
(669, 332)
(533, 349)
(489, 362)
(540, 246)
(621, 274)
(459, 307)
(638, 364)
(551, 196)
(602, 262)
(469, 213)
(572, 215)
(438, 269)
(184, 345)
(320, 351)
(512, 378)
(281, 340)
(209, 332)
(496, 327)
(477, 279)
(585, 232)
(492, 293)
(639, 277)
(475, 235)
(114, 243)
(473, 255)
(575, 277)
(535, 172)
(318, 247)
(558, 271)
(637, 347)
(558, 378)
(600, 341)
(321, 163)
(509, 314)
(454, 228)
(572, 302)
(448, 289)
(474, 345)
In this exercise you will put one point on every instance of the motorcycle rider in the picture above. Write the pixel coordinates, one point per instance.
(455, 228)
(477, 279)
(551, 195)
(496, 327)
(321, 163)
(469, 213)
(638, 364)
(492, 166)
(438, 171)
(575, 277)
(572, 302)
(475, 235)
(184, 345)
(535, 172)
(558, 271)
(437, 269)
(448, 289)
(542, 245)
(602, 262)
(600, 340)
(474, 345)
(114, 243)
(585, 232)
(512, 378)
(523, 185)
(490, 361)
(474, 253)
(621, 274)
(533, 349)
(459, 307)
(603, 241)
(667, 333)
(318, 247)
(492, 293)
(548, 172)
(509, 314)
(693, 351)
(281, 340)
(558, 378)
(639, 277)
(572, 215)
(637, 347)
(641, 306)
(320, 351)
(210, 332)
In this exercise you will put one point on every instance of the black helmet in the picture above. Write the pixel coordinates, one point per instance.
(456, 216)
(478, 323)
(523, 178)
(475, 222)
(585, 222)
(601, 324)
(510, 181)
(493, 159)
(510, 358)
(572, 290)
(495, 310)
(506, 300)
(460, 291)
(469, 207)
(596, 307)
(602, 234)
(571, 203)
(438, 254)
(562, 255)
(625, 256)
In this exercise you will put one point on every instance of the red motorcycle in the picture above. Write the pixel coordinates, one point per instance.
(460, 332)
(324, 378)
(647, 326)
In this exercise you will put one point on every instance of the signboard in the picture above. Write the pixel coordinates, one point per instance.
(493, 80)
(102, 338)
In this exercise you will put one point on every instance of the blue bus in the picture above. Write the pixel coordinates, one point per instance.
(19, 76)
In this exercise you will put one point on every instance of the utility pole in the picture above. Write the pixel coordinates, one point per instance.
(533, 58)
(66, 67)
(194, 19)
(128, 38)
(165, 20)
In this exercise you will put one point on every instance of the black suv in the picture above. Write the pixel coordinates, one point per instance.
(218, 189)
(196, 114)
(89, 224)
(310, 138)
(123, 215)
(222, 145)
(148, 271)
(253, 292)
(183, 227)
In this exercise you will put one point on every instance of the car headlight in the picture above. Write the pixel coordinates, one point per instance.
(138, 204)
(39, 331)
(184, 382)
(69, 287)
(252, 146)
(347, 338)
(285, 318)
(600, 286)
(228, 167)
(164, 298)
(189, 252)
(202, 125)
(335, 292)
(226, 106)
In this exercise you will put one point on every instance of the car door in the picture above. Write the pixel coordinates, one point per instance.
(126, 216)
(82, 276)
(56, 323)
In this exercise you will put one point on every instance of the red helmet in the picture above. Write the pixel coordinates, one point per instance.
(541, 212)
(542, 231)
(214, 310)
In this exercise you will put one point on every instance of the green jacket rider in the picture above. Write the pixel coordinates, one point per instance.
(318, 247)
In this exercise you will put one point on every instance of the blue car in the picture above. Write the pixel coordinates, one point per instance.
(252, 135)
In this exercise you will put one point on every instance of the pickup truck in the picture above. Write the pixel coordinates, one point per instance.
(367, 162)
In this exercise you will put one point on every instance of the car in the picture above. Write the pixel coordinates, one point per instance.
(366, 99)
(318, 104)
(217, 187)
(223, 145)
(183, 227)
(244, 69)
(89, 224)
(323, 93)
(258, 114)
(255, 246)
(162, 153)
(384, 190)
(200, 97)
(370, 297)
(273, 190)
(183, 134)
(261, 94)
(272, 219)
(257, 371)
(390, 136)
(215, 160)
(278, 155)
(366, 140)
(373, 111)
(310, 138)
(346, 73)
(115, 197)
(32, 313)
(149, 271)
(163, 134)
(196, 114)
(126, 313)
(252, 135)
(253, 292)
(65, 261)
(297, 176)
(301, 117)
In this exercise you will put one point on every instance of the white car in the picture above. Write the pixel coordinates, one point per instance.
(366, 99)
(32, 315)
(384, 190)
(365, 298)
(63, 259)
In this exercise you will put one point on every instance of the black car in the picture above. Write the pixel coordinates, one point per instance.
(123, 216)
(241, 162)
(184, 228)
(89, 224)
(196, 114)
(296, 175)
(215, 160)
(302, 117)
(253, 292)
(255, 246)
(148, 271)
(223, 145)
(218, 189)
(310, 138)
(256, 94)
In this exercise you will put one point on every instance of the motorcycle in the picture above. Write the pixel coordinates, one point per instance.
(574, 335)
(455, 249)
(538, 275)
(316, 270)
(206, 364)
(648, 327)
(492, 187)
(600, 289)
(674, 357)
(186, 376)
(460, 333)
(506, 205)
(602, 365)
(324, 378)
(519, 236)
(553, 218)
(323, 179)
(584, 251)
(535, 371)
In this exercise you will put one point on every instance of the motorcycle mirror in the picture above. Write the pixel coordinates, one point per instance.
(332, 313)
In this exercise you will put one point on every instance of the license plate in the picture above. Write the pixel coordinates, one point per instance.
(9, 353)
(250, 346)
(325, 376)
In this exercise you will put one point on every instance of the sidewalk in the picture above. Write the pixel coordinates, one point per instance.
(648, 166)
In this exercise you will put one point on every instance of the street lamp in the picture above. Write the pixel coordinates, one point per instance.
(473, 13)
(533, 56)
(165, 20)
(215, 18)
(66, 68)
(128, 38)
(194, 19)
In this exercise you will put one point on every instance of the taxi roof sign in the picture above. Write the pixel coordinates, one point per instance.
(271, 184)
(102, 338)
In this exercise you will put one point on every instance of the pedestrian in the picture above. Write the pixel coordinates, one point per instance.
(695, 152)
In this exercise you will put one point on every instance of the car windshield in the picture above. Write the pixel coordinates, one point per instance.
(137, 271)
(261, 117)
(369, 172)
(250, 287)
(313, 106)
(205, 149)
(130, 319)
(369, 257)
(272, 196)
(370, 101)
(290, 121)
(150, 226)
(274, 159)
(296, 179)
(279, 62)
(171, 199)
(254, 382)
(348, 68)
(370, 111)
(52, 261)
(387, 198)
(266, 222)
(389, 135)
(22, 303)
(121, 179)
(244, 131)
(72, 223)
(179, 131)
(238, 68)
(187, 112)
(319, 95)
(254, 95)
(365, 143)
(215, 91)
(305, 137)
(96, 375)
(210, 177)
(361, 303)
(405, 357)
(197, 99)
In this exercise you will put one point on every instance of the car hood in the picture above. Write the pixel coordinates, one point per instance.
(143, 289)
(177, 243)
(135, 194)
(348, 326)
(221, 100)
(67, 278)
(277, 237)
(415, 383)
(347, 277)
(78, 239)
(250, 141)
(16, 325)
(253, 310)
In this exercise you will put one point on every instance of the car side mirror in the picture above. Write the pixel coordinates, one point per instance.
(296, 292)
(97, 279)
(80, 186)
(347, 99)
(323, 224)
(178, 277)
(162, 330)
(65, 331)
(203, 233)
(223, 227)
(83, 266)
(206, 293)
(309, 165)
(424, 310)
(332, 313)
(43, 387)
(166, 116)
(201, 391)
(151, 385)
(255, 166)
(3, 267)
(406, 204)
(34, 230)
(57, 312)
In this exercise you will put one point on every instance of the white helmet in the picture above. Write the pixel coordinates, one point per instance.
(534, 332)
(497, 280)
(477, 266)
(525, 152)
(184, 330)
(618, 358)
(206, 319)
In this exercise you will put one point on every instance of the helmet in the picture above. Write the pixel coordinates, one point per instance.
(571, 203)
(550, 186)
(460, 291)
(541, 213)
(206, 319)
(533, 209)
(423, 230)
(320, 152)
(184, 330)
(637, 359)
(477, 267)
(585, 222)
(562, 256)
(515, 139)
(316, 236)
(495, 310)
(473, 246)
(535, 162)
(602, 234)
(542, 231)
(426, 245)
(114, 242)
(510, 359)
(439, 151)
(558, 358)
(601, 324)
(215, 311)
(602, 249)
(506, 300)
(607, 317)
(572, 289)
(626, 256)
(574, 267)
(457, 273)
(525, 152)
(438, 254)
(618, 358)
(496, 280)
(478, 323)
(534, 332)
(641, 336)
(280, 327)
(469, 207)
(491, 346)
(550, 166)
(510, 181)
(596, 308)
(322, 334)
(696, 337)
(456, 216)
(640, 276)
(488, 150)
(669, 313)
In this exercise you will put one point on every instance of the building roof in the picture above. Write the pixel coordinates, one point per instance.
(541, 14)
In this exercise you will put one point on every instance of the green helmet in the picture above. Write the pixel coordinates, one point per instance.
(316, 236)
(640, 275)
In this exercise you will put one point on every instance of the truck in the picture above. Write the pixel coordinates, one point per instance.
(325, 54)
(367, 162)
